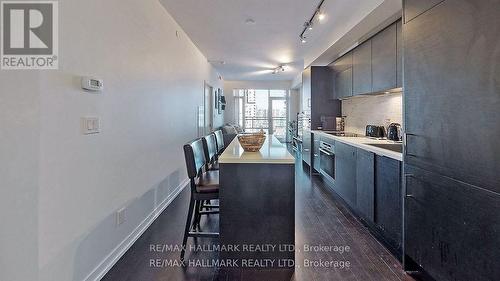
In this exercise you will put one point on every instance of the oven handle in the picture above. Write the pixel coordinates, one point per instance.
(326, 152)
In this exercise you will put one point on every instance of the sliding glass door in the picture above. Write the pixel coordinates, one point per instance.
(266, 110)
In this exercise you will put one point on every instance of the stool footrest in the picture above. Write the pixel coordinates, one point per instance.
(208, 212)
(204, 234)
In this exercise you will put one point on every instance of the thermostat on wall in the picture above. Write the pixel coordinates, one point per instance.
(92, 84)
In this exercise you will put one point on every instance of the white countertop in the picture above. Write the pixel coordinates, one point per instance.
(272, 152)
(362, 142)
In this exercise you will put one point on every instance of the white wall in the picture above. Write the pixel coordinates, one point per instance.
(229, 86)
(19, 148)
(372, 110)
(64, 188)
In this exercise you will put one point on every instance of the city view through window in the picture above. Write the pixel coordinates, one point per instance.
(262, 109)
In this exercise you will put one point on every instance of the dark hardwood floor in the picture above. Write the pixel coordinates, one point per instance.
(320, 220)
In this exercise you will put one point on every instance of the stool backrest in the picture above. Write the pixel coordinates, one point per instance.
(210, 148)
(220, 141)
(195, 158)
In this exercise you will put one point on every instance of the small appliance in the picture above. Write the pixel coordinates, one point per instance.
(374, 131)
(394, 132)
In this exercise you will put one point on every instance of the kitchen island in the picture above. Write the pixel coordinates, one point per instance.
(257, 207)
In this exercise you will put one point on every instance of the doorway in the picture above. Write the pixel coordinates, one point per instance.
(208, 104)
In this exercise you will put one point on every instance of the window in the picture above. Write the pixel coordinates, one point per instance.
(258, 109)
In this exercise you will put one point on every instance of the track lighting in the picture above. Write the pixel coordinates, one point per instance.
(321, 15)
(279, 69)
(308, 25)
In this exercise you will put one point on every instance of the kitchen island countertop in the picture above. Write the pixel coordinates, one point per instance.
(272, 152)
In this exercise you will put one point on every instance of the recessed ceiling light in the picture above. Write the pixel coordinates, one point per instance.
(250, 21)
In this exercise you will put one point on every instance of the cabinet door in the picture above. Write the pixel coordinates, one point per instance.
(306, 147)
(414, 8)
(384, 59)
(362, 69)
(342, 69)
(388, 203)
(315, 153)
(452, 92)
(399, 57)
(345, 172)
(451, 228)
(365, 184)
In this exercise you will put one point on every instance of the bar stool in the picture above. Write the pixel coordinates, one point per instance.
(210, 150)
(219, 137)
(204, 186)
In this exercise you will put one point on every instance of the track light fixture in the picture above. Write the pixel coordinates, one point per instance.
(308, 25)
(279, 69)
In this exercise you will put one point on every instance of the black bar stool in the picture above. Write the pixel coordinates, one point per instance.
(219, 137)
(204, 186)
(210, 150)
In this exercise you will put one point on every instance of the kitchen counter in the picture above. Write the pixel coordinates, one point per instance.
(362, 142)
(272, 152)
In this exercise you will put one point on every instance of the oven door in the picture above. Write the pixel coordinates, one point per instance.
(327, 163)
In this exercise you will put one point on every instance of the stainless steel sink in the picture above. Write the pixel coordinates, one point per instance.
(396, 147)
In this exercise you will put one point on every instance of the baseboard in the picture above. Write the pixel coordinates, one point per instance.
(110, 260)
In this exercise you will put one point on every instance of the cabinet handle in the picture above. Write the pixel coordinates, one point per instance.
(410, 196)
(306, 149)
(315, 155)
(325, 152)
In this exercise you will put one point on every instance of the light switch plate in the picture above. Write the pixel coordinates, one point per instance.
(90, 125)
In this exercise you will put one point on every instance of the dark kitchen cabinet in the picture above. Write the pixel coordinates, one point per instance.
(362, 68)
(384, 59)
(452, 91)
(365, 184)
(388, 202)
(317, 88)
(315, 151)
(306, 147)
(451, 120)
(342, 73)
(399, 54)
(414, 8)
(452, 228)
(345, 172)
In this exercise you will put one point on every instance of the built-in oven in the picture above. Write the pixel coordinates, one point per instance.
(327, 160)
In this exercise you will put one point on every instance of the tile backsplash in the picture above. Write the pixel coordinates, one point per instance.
(374, 110)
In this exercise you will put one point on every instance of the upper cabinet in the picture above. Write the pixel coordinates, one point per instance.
(414, 8)
(362, 68)
(384, 59)
(317, 89)
(399, 54)
(372, 67)
(342, 76)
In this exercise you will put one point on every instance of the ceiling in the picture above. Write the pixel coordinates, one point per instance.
(220, 30)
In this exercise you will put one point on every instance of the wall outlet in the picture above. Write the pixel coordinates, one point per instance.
(120, 216)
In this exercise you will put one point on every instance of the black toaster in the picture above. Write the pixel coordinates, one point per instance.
(374, 131)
